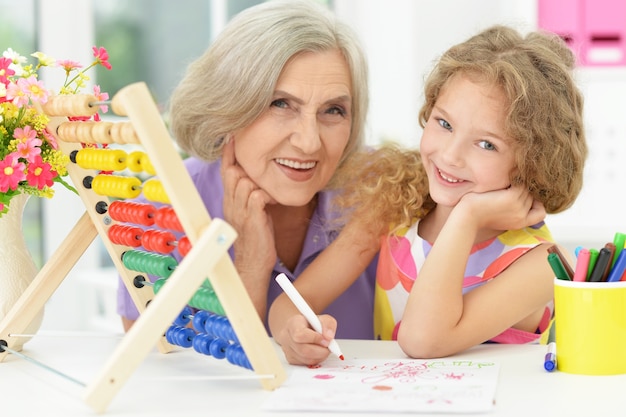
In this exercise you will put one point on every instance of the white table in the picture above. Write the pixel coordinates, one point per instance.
(524, 387)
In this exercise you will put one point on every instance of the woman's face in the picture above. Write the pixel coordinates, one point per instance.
(293, 148)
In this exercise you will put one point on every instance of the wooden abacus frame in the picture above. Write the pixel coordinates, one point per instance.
(208, 258)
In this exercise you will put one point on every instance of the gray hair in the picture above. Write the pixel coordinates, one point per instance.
(232, 83)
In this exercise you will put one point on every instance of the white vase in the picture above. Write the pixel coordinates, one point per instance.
(17, 268)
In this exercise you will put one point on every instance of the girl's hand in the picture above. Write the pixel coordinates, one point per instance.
(244, 210)
(303, 345)
(508, 209)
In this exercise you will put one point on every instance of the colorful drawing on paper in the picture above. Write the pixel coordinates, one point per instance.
(407, 385)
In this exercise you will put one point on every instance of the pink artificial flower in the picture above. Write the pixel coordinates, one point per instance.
(11, 173)
(68, 65)
(5, 71)
(101, 97)
(27, 89)
(102, 56)
(16, 95)
(23, 134)
(29, 144)
(40, 174)
(52, 141)
(34, 88)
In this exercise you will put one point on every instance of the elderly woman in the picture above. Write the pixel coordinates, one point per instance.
(268, 114)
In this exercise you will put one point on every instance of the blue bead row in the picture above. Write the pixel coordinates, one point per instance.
(213, 335)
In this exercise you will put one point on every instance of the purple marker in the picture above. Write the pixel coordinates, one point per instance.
(549, 363)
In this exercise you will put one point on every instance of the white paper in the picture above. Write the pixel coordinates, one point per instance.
(398, 385)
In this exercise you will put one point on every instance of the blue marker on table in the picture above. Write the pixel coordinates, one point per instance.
(549, 362)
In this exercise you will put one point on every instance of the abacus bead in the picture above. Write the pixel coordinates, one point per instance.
(117, 107)
(158, 241)
(150, 263)
(139, 213)
(185, 337)
(89, 131)
(102, 159)
(236, 356)
(184, 317)
(208, 324)
(158, 284)
(174, 335)
(218, 348)
(165, 217)
(201, 299)
(199, 320)
(219, 328)
(125, 235)
(229, 332)
(184, 246)
(117, 186)
(74, 105)
(215, 305)
(169, 335)
(202, 343)
(123, 132)
(66, 131)
(153, 190)
(101, 132)
(134, 161)
(147, 165)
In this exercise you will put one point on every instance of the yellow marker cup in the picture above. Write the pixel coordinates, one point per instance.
(590, 328)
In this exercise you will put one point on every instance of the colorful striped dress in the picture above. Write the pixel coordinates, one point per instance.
(404, 253)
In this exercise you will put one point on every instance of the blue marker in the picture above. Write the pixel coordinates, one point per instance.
(549, 363)
(618, 269)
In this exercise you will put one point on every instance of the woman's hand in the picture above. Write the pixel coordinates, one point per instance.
(244, 210)
(303, 345)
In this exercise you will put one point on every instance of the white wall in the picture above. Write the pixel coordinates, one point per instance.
(403, 37)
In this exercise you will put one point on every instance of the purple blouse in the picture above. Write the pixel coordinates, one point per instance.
(353, 309)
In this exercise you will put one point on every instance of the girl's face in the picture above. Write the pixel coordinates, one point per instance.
(464, 147)
(292, 150)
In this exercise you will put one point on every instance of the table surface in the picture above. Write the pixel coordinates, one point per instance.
(176, 384)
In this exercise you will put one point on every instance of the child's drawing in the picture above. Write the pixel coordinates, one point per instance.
(407, 385)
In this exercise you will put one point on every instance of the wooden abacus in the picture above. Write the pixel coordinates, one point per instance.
(205, 242)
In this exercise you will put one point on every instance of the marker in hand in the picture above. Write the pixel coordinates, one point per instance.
(306, 310)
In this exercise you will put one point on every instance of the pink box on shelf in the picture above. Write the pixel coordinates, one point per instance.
(562, 17)
(594, 29)
(604, 31)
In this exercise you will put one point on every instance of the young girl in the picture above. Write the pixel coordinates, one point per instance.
(465, 261)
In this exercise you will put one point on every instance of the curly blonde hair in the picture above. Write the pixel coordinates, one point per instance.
(544, 118)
